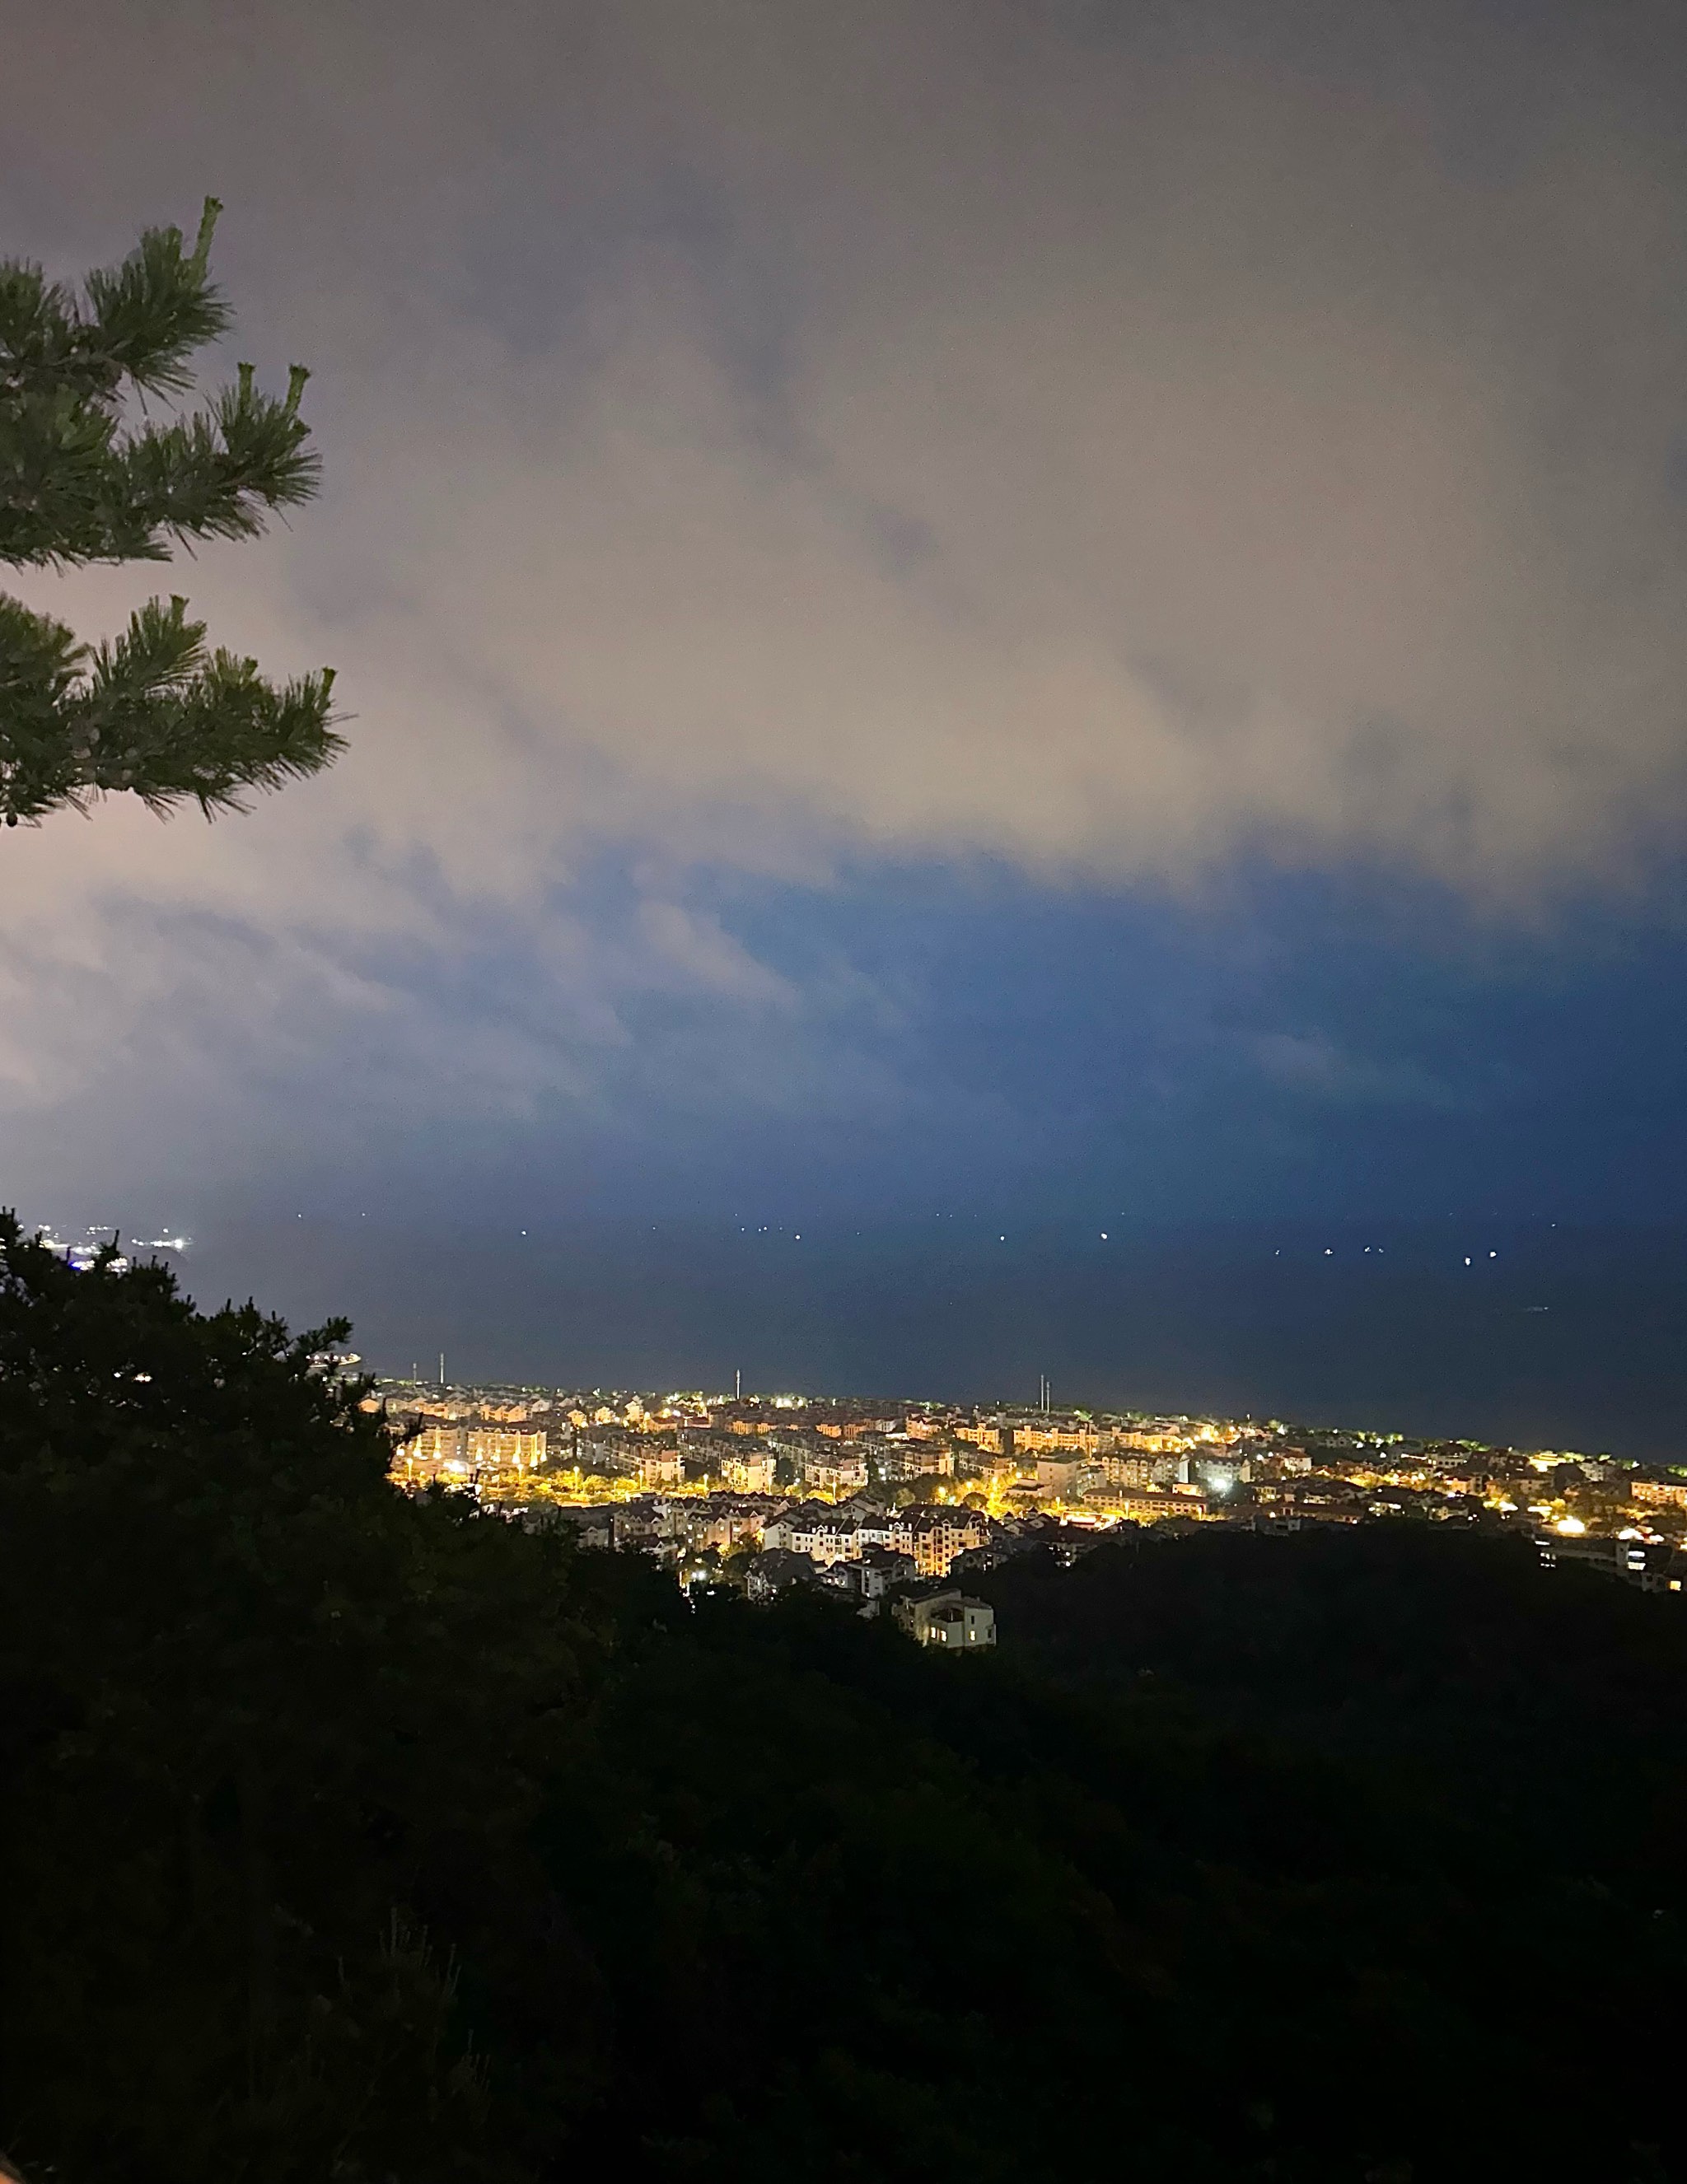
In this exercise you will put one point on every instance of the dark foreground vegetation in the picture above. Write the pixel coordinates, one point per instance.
(350, 1837)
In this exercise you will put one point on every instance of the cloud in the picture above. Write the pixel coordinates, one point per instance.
(780, 435)
(705, 956)
(1312, 1065)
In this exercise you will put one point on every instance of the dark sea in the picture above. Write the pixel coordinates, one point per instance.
(1534, 1334)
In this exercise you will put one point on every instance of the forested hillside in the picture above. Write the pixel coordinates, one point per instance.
(352, 1836)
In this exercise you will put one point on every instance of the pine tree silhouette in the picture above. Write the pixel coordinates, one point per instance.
(153, 711)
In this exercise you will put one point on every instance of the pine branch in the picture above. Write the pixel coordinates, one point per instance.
(155, 308)
(74, 490)
(152, 713)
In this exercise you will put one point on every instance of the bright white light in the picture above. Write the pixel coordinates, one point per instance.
(1569, 1524)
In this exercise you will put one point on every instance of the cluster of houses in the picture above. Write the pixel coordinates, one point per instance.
(863, 1549)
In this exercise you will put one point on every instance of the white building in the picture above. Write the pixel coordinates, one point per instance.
(953, 1619)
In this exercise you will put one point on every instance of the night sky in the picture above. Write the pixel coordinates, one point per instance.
(1017, 679)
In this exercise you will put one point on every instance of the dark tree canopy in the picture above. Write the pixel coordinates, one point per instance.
(88, 474)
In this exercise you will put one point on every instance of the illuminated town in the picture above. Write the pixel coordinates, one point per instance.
(878, 1499)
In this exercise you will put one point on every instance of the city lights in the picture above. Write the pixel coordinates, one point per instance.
(759, 1491)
